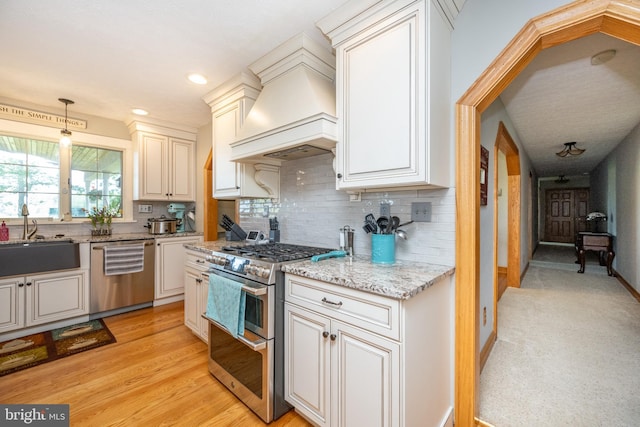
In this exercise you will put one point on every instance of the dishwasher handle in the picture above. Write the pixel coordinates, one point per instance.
(99, 248)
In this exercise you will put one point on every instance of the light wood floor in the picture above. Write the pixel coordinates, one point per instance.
(155, 375)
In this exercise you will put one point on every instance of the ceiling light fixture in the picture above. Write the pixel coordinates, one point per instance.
(570, 149)
(561, 179)
(602, 57)
(198, 79)
(139, 112)
(65, 139)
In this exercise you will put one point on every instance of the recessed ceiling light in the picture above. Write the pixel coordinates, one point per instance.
(139, 111)
(198, 79)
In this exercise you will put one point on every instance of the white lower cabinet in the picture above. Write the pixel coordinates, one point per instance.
(170, 259)
(358, 359)
(43, 298)
(362, 370)
(196, 292)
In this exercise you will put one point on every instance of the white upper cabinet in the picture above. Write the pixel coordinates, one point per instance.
(164, 163)
(230, 103)
(392, 94)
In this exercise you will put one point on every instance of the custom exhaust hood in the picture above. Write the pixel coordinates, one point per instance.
(294, 115)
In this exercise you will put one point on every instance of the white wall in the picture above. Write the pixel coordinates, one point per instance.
(615, 184)
(482, 30)
(311, 212)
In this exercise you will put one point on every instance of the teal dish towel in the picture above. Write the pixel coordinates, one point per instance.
(226, 303)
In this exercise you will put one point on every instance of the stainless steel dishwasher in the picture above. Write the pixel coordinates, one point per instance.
(109, 292)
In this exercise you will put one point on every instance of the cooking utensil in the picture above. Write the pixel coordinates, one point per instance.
(370, 225)
(393, 224)
(402, 234)
(383, 223)
(162, 225)
(405, 223)
(332, 254)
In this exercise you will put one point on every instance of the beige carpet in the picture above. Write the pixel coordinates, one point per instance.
(567, 354)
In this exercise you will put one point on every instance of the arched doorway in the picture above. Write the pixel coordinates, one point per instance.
(620, 19)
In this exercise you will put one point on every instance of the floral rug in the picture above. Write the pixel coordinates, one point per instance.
(33, 350)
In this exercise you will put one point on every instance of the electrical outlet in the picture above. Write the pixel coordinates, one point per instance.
(385, 209)
(145, 208)
(421, 211)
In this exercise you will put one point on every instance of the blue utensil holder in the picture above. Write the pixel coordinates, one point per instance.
(383, 248)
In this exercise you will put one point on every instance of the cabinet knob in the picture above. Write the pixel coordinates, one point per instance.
(28, 283)
(339, 176)
(333, 337)
(20, 285)
(325, 334)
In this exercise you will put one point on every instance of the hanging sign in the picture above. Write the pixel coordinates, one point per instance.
(40, 117)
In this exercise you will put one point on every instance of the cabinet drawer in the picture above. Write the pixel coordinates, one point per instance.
(368, 311)
(196, 260)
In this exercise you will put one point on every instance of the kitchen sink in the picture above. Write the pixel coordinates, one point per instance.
(37, 257)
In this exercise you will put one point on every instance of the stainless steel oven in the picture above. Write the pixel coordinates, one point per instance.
(252, 364)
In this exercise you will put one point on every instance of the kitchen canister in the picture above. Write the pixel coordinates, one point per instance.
(383, 248)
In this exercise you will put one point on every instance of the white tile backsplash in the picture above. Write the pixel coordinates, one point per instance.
(311, 212)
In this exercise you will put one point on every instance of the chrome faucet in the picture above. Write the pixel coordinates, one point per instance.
(26, 234)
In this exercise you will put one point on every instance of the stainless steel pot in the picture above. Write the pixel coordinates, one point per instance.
(162, 225)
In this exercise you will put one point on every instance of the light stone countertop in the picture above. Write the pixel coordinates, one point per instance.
(87, 238)
(402, 280)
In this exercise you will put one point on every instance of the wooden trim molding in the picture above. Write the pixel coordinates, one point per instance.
(486, 349)
(634, 293)
(210, 217)
(620, 19)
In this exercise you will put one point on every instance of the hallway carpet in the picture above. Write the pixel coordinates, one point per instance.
(567, 353)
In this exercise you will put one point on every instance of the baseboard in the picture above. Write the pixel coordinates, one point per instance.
(480, 423)
(628, 286)
(447, 421)
(486, 349)
(168, 300)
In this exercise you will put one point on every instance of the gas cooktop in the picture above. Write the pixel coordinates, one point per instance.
(274, 252)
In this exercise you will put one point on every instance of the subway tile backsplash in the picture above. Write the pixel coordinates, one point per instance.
(311, 212)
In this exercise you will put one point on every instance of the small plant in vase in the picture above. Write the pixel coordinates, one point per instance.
(100, 220)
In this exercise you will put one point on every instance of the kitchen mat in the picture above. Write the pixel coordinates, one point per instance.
(36, 349)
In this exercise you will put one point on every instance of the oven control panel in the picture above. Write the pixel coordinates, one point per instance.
(240, 265)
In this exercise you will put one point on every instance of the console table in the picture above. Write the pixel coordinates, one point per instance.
(600, 242)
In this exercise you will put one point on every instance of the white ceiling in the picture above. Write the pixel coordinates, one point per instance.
(112, 56)
(560, 97)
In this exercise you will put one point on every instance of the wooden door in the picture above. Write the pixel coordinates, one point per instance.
(565, 214)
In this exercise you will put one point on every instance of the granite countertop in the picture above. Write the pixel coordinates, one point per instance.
(113, 238)
(209, 246)
(402, 280)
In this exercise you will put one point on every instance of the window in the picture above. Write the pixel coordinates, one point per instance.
(96, 180)
(31, 173)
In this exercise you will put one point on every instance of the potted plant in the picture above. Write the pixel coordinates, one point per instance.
(101, 220)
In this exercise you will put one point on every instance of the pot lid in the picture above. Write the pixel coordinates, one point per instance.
(161, 219)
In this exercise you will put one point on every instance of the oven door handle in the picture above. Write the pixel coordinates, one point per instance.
(258, 345)
(256, 291)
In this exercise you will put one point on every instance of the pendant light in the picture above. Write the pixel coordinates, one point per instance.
(65, 139)
(570, 149)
